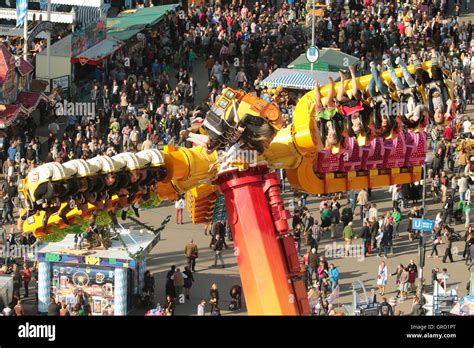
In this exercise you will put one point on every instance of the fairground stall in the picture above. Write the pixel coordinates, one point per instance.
(110, 278)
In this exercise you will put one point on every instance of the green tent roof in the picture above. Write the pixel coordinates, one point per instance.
(124, 35)
(329, 60)
(125, 23)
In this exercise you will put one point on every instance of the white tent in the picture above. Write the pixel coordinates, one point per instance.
(60, 60)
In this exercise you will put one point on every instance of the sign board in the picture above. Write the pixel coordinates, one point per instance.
(422, 225)
(63, 83)
(312, 54)
(90, 36)
(42, 26)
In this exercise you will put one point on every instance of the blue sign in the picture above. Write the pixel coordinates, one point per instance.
(422, 225)
(312, 54)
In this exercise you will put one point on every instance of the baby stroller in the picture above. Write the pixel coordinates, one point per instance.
(457, 215)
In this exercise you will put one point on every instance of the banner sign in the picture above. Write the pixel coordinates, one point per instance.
(422, 225)
(90, 36)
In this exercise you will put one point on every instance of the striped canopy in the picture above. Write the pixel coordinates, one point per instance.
(297, 79)
(86, 14)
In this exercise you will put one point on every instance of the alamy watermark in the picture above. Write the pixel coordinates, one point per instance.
(341, 251)
(395, 108)
(67, 108)
(238, 156)
(15, 251)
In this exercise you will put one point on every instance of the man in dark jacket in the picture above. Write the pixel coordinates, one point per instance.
(308, 227)
(347, 214)
(365, 236)
(374, 230)
(218, 246)
(449, 245)
(53, 308)
(389, 232)
(219, 230)
(436, 165)
(385, 309)
(236, 296)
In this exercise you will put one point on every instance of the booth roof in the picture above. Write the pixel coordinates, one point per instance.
(330, 59)
(30, 100)
(9, 113)
(124, 35)
(102, 49)
(139, 18)
(133, 239)
(296, 79)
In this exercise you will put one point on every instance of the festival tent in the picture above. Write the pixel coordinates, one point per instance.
(330, 59)
(297, 79)
(60, 60)
(98, 52)
(129, 23)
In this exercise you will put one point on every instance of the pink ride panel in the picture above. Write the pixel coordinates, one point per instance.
(376, 154)
(352, 157)
(418, 153)
(327, 162)
(394, 155)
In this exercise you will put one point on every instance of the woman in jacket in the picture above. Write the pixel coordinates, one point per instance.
(333, 276)
(469, 240)
(403, 287)
(398, 274)
(412, 274)
(436, 239)
(322, 272)
(214, 297)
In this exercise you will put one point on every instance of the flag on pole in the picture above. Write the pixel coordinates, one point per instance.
(43, 4)
(21, 10)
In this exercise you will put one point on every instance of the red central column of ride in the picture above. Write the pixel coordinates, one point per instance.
(262, 265)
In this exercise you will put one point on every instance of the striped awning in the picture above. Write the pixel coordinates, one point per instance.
(297, 79)
(86, 14)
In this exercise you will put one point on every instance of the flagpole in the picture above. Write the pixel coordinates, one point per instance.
(48, 41)
(25, 34)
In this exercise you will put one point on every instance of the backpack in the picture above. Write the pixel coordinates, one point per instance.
(315, 232)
